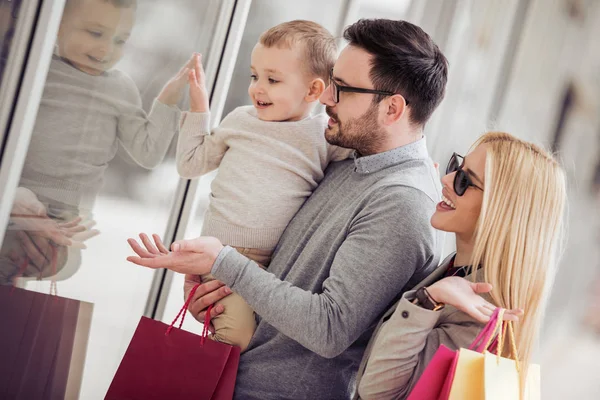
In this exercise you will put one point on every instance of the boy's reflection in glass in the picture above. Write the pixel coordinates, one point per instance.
(88, 109)
(8, 21)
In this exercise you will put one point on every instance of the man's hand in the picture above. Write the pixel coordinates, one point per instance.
(207, 293)
(197, 81)
(193, 257)
(173, 89)
(465, 296)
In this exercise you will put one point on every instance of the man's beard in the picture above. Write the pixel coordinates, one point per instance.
(363, 134)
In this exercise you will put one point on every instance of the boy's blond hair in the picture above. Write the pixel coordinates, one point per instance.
(318, 44)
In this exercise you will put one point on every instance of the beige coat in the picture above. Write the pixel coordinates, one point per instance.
(406, 339)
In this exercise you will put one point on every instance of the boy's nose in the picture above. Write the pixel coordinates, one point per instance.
(104, 50)
(259, 88)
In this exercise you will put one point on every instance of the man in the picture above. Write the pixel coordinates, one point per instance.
(359, 241)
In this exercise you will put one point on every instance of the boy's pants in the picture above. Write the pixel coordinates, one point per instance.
(236, 324)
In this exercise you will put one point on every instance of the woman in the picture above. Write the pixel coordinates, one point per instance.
(505, 204)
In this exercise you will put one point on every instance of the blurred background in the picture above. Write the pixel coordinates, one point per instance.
(527, 67)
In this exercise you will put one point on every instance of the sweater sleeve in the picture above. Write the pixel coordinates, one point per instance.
(337, 153)
(146, 137)
(198, 151)
(376, 260)
(406, 344)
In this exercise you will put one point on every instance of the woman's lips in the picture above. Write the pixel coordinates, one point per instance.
(441, 206)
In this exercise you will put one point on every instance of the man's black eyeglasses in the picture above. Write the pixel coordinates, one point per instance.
(462, 180)
(340, 88)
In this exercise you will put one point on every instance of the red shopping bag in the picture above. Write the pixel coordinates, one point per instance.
(43, 341)
(436, 380)
(163, 362)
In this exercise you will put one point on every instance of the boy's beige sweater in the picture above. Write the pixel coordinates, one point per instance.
(266, 171)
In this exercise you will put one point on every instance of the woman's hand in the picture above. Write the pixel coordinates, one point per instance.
(465, 296)
(194, 257)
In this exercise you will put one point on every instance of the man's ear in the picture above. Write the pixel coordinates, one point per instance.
(396, 107)
(315, 90)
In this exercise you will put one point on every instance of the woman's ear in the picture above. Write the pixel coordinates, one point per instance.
(315, 90)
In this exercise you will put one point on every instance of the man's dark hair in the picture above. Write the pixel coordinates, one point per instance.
(405, 61)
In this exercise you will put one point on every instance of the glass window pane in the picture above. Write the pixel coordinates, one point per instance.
(101, 159)
(392, 9)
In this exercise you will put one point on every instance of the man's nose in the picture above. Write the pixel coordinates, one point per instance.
(327, 97)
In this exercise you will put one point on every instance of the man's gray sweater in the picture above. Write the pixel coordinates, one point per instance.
(358, 242)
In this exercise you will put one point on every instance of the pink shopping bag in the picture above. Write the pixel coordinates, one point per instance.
(436, 380)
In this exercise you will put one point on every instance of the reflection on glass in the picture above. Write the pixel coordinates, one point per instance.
(88, 109)
(86, 180)
(8, 21)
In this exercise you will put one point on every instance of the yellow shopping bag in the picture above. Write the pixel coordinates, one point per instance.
(487, 376)
(501, 380)
(469, 376)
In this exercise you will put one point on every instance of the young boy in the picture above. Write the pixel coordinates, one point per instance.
(271, 155)
(89, 109)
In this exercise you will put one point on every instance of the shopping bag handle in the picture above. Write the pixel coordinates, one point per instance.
(512, 343)
(487, 334)
(495, 331)
(183, 312)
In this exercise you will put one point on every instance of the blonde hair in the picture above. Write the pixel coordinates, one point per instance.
(519, 232)
(318, 45)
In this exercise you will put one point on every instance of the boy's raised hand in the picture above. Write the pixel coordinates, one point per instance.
(197, 81)
(173, 90)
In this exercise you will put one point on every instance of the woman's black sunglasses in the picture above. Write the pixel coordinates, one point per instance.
(462, 180)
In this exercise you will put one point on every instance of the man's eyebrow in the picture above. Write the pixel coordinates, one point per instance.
(340, 80)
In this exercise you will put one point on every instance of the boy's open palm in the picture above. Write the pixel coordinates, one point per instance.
(197, 81)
